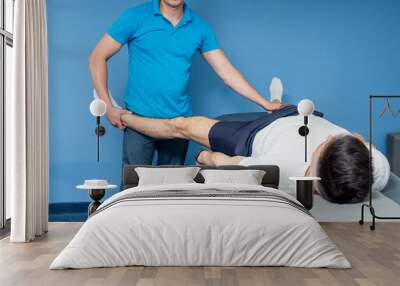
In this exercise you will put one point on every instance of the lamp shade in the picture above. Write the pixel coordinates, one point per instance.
(98, 107)
(305, 107)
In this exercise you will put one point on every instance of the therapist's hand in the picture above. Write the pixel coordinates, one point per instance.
(272, 106)
(114, 116)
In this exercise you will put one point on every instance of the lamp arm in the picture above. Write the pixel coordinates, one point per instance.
(305, 138)
(305, 148)
(98, 137)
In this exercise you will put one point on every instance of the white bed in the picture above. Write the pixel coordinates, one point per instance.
(208, 230)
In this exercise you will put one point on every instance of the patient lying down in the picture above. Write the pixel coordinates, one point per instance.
(340, 158)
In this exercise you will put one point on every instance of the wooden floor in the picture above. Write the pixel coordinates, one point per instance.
(375, 257)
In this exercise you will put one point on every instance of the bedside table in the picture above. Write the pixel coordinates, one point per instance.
(305, 190)
(97, 190)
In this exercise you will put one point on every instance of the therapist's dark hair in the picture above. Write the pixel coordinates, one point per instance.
(344, 170)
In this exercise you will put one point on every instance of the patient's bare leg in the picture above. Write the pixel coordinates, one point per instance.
(218, 159)
(194, 128)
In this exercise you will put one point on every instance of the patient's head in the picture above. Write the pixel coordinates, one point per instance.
(342, 162)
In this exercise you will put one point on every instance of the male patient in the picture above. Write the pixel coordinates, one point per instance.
(340, 158)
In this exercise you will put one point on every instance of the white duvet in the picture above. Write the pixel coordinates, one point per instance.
(206, 231)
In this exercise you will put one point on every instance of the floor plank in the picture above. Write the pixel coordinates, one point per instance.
(375, 257)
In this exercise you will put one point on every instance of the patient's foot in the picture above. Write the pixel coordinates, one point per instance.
(276, 90)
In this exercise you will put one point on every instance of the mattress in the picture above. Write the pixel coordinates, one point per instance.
(201, 225)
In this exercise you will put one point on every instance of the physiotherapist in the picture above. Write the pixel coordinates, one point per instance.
(162, 37)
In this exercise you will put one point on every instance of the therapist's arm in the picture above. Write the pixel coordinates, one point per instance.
(235, 80)
(105, 49)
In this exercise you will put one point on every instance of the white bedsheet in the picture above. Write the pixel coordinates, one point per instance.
(200, 232)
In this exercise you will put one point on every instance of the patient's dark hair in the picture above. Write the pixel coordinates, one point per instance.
(344, 170)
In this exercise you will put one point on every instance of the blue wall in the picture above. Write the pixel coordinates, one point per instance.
(333, 52)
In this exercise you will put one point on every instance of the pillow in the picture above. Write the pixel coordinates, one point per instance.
(245, 177)
(166, 176)
(381, 170)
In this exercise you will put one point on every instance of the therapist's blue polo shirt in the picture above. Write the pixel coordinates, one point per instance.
(160, 58)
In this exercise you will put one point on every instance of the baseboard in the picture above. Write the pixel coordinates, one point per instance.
(68, 212)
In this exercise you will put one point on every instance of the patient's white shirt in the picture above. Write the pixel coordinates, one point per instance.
(281, 144)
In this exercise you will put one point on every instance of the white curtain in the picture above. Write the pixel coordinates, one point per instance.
(27, 124)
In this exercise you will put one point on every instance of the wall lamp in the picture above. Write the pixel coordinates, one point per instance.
(98, 108)
(305, 108)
